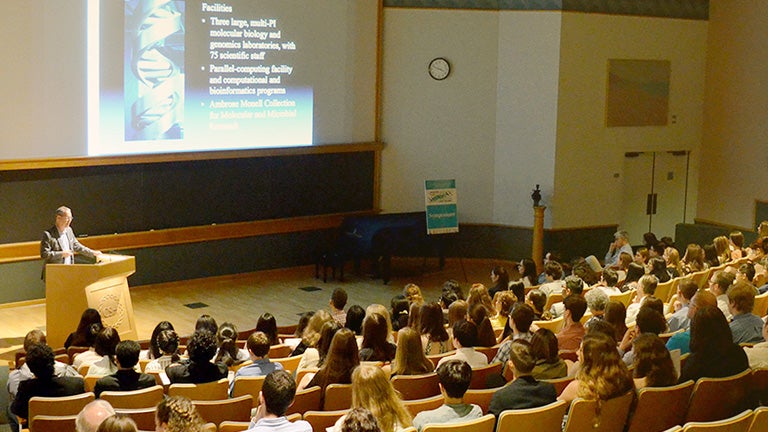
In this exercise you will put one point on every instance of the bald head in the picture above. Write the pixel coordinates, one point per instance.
(701, 299)
(89, 419)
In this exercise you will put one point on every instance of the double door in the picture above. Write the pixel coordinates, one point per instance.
(655, 193)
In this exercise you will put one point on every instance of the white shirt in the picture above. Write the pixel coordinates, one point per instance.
(469, 355)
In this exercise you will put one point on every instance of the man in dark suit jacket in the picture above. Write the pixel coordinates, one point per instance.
(126, 378)
(524, 391)
(59, 243)
(40, 359)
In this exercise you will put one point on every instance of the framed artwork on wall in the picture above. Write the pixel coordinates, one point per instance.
(638, 93)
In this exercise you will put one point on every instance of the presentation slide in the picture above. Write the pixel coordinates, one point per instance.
(196, 76)
(127, 77)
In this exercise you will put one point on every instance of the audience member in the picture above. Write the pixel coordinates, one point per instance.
(90, 356)
(574, 285)
(537, 300)
(154, 352)
(455, 377)
(412, 293)
(722, 246)
(710, 256)
(713, 353)
(672, 258)
(360, 420)
(693, 260)
(646, 288)
(527, 269)
(277, 394)
(118, 423)
(544, 349)
(371, 389)
(570, 336)
(267, 324)
(82, 335)
(478, 294)
(168, 345)
(207, 323)
(434, 337)
(503, 302)
(313, 356)
(649, 320)
(620, 244)
(126, 378)
(758, 354)
(602, 374)
(525, 391)
(659, 269)
(228, 352)
(401, 308)
(500, 280)
(682, 341)
(40, 360)
(311, 333)
(337, 303)
(608, 281)
(652, 363)
(596, 301)
(679, 320)
(258, 350)
(746, 327)
(719, 283)
(342, 359)
(520, 320)
(375, 345)
(616, 315)
(355, 317)
(409, 357)
(486, 337)
(92, 415)
(457, 312)
(105, 345)
(198, 368)
(634, 272)
(553, 272)
(177, 413)
(464, 340)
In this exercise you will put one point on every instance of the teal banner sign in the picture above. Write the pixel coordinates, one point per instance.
(442, 213)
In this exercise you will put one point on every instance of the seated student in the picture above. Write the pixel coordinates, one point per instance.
(682, 341)
(520, 320)
(464, 340)
(713, 353)
(168, 348)
(646, 288)
(455, 377)
(554, 272)
(574, 285)
(90, 356)
(718, 285)
(537, 300)
(198, 368)
(652, 363)
(524, 391)
(360, 420)
(40, 359)
(276, 396)
(548, 364)
(746, 327)
(608, 281)
(126, 378)
(337, 303)
(569, 338)
(649, 320)
(105, 345)
(758, 354)
(596, 302)
(258, 348)
(685, 292)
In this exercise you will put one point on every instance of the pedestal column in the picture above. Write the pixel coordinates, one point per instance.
(537, 249)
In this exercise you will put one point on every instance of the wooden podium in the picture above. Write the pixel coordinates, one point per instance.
(72, 288)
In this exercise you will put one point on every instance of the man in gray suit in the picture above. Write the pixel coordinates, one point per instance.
(59, 244)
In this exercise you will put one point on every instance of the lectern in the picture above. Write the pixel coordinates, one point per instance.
(72, 288)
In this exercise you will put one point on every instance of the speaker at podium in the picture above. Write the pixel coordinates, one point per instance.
(72, 288)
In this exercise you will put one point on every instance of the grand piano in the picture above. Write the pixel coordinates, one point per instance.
(380, 237)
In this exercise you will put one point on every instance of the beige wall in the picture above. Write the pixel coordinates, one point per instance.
(734, 164)
(589, 155)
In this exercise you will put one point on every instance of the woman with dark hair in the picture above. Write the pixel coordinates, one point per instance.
(375, 346)
(154, 349)
(198, 368)
(80, 336)
(168, 344)
(228, 352)
(528, 272)
(652, 364)
(341, 360)
(105, 345)
(207, 323)
(650, 240)
(477, 315)
(518, 289)
(659, 269)
(434, 337)
(536, 299)
(400, 310)
(634, 272)
(355, 317)
(544, 348)
(710, 256)
(713, 353)
(267, 324)
(500, 279)
(616, 315)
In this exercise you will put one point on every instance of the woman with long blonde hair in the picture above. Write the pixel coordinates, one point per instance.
(722, 246)
(672, 257)
(478, 294)
(372, 390)
(693, 260)
(603, 374)
(311, 334)
(409, 357)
